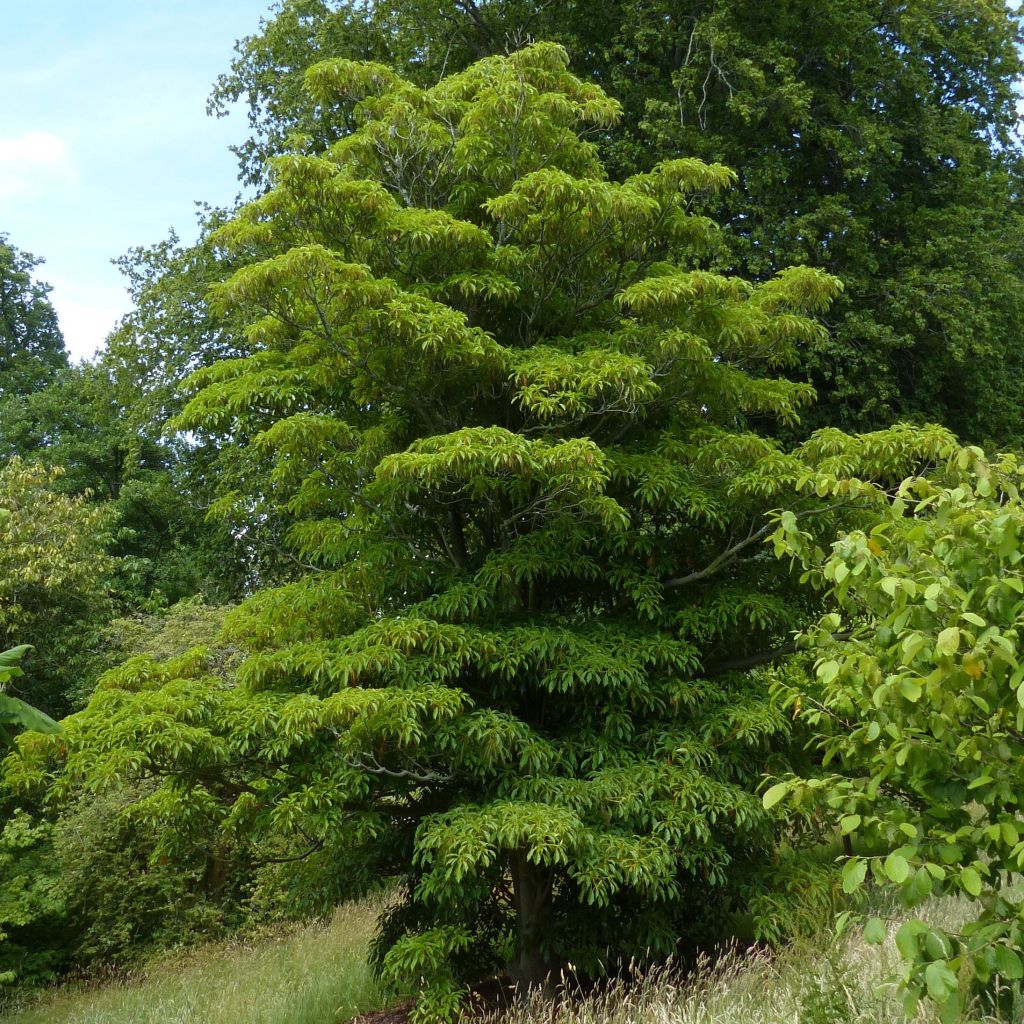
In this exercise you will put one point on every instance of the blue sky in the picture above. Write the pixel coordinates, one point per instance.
(104, 138)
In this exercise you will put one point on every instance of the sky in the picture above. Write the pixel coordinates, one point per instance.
(104, 139)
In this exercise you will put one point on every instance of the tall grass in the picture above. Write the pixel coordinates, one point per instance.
(316, 975)
(840, 982)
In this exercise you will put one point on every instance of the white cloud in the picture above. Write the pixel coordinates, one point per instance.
(86, 324)
(32, 160)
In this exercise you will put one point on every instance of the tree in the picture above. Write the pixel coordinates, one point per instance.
(918, 709)
(170, 333)
(52, 576)
(100, 425)
(874, 140)
(31, 344)
(507, 417)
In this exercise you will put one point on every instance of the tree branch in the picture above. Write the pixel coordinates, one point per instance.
(760, 657)
(730, 553)
(421, 775)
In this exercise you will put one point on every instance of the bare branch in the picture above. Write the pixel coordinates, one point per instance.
(417, 774)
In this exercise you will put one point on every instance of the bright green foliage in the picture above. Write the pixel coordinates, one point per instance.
(507, 415)
(52, 576)
(919, 708)
(874, 140)
(31, 344)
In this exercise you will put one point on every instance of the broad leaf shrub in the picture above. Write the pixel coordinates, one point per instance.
(918, 710)
(510, 423)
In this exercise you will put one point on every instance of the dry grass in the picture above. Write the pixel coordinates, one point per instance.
(316, 975)
(843, 982)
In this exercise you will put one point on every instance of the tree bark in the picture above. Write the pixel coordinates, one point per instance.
(532, 891)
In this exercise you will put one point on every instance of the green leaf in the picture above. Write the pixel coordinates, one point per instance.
(948, 642)
(908, 939)
(848, 823)
(874, 931)
(951, 1011)
(970, 881)
(910, 688)
(775, 794)
(1008, 963)
(854, 872)
(827, 671)
(896, 868)
(941, 981)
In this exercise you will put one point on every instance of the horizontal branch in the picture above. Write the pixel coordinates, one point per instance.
(761, 657)
(421, 775)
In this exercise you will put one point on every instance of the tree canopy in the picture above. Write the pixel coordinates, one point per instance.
(508, 417)
(31, 344)
(874, 140)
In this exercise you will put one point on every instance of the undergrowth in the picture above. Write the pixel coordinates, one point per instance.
(314, 975)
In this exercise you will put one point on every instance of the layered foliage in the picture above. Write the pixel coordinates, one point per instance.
(874, 140)
(507, 414)
(918, 710)
(81, 884)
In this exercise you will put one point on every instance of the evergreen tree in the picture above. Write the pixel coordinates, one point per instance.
(509, 418)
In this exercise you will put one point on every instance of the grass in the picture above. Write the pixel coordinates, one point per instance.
(316, 975)
(840, 982)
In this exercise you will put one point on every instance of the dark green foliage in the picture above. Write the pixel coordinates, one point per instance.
(101, 424)
(85, 890)
(81, 883)
(31, 904)
(14, 712)
(874, 140)
(31, 344)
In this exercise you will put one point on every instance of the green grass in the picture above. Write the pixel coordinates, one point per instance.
(315, 975)
(318, 975)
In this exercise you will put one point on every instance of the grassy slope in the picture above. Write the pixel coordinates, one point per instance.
(318, 975)
(827, 982)
(313, 976)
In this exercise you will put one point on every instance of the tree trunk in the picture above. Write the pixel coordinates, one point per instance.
(532, 889)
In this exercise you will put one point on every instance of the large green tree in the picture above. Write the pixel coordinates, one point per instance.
(876, 140)
(31, 344)
(508, 416)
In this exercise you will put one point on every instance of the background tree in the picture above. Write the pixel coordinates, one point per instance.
(80, 887)
(31, 344)
(506, 413)
(874, 140)
(53, 568)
